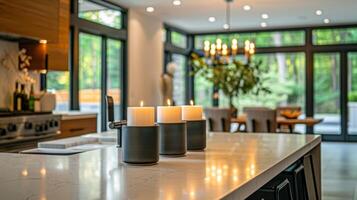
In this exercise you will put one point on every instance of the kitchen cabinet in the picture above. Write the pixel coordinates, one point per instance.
(77, 125)
(58, 52)
(52, 55)
(38, 53)
(35, 19)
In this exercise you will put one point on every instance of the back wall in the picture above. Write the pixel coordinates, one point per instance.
(145, 58)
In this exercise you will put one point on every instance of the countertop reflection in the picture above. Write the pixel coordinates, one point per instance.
(238, 163)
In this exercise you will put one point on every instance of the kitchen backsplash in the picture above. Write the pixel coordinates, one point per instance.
(9, 72)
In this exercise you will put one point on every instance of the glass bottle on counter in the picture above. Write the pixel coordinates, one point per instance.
(32, 99)
(17, 98)
(24, 99)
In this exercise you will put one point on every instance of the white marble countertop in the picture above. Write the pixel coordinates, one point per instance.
(108, 137)
(78, 144)
(232, 164)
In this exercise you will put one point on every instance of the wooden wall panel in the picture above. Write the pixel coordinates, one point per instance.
(58, 52)
(37, 19)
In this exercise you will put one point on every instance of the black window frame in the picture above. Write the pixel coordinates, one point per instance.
(309, 49)
(80, 25)
(170, 49)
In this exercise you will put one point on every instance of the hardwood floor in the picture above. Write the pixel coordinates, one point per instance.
(339, 171)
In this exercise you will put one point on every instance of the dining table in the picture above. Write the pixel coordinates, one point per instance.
(282, 121)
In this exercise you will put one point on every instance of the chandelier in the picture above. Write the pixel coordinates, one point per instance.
(219, 49)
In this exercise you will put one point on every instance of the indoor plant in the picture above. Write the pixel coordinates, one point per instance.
(233, 78)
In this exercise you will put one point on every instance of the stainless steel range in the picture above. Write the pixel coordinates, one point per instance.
(21, 131)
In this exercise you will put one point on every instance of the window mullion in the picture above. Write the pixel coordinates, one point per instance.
(104, 84)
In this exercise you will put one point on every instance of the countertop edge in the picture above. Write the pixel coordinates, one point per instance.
(248, 188)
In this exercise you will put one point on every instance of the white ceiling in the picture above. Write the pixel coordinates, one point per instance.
(193, 15)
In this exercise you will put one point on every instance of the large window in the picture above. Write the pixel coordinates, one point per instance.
(261, 39)
(329, 36)
(99, 14)
(179, 87)
(58, 83)
(178, 39)
(352, 93)
(203, 91)
(97, 40)
(285, 78)
(90, 73)
(306, 73)
(176, 52)
(114, 52)
(327, 92)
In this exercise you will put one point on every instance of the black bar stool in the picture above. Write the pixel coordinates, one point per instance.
(277, 189)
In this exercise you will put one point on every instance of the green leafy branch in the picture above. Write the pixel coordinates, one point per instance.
(233, 79)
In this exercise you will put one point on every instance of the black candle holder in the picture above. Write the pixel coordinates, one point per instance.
(196, 135)
(173, 139)
(140, 144)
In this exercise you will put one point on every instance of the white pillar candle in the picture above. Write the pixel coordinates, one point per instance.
(192, 112)
(141, 116)
(169, 114)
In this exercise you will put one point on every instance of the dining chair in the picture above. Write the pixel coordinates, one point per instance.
(243, 127)
(261, 120)
(219, 119)
(254, 108)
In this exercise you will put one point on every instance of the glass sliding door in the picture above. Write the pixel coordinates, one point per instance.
(90, 65)
(327, 93)
(352, 93)
(114, 53)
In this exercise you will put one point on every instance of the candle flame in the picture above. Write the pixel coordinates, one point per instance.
(168, 102)
(24, 172)
(43, 171)
(141, 103)
(191, 102)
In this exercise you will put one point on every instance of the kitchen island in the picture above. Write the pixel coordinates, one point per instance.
(233, 166)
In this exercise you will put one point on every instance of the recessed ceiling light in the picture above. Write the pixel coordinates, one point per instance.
(247, 7)
(226, 26)
(265, 16)
(326, 21)
(176, 2)
(211, 19)
(263, 24)
(150, 9)
(318, 12)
